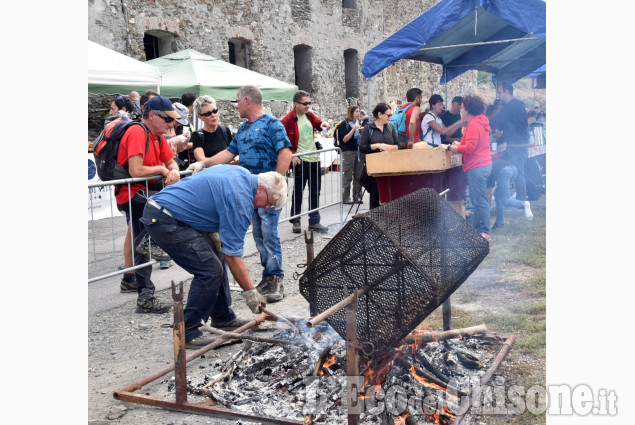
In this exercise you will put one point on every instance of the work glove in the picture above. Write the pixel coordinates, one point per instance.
(215, 238)
(196, 167)
(254, 300)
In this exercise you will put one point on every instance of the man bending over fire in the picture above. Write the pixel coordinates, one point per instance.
(201, 223)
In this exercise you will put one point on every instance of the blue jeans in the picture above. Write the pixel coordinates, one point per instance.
(477, 185)
(267, 241)
(209, 291)
(502, 195)
(518, 156)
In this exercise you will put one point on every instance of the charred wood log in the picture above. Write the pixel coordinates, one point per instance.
(466, 359)
(234, 335)
(414, 338)
(429, 377)
(429, 366)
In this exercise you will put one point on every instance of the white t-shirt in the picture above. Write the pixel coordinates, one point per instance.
(433, 138)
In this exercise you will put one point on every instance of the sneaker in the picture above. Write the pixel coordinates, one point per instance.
(275, 291)
(231, 325)
(165, 264)
(528, 214)
(128, 286)
(199, 341)
(349, 202)
(317, 227)
(358, 201)
(153, 305)
(297, 228)
(157, 253)
(486, 236)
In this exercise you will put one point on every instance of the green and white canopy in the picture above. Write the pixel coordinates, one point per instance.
(191, 71)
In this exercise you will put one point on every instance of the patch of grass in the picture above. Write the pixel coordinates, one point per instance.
(535, 285)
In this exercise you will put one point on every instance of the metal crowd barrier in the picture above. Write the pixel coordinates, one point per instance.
(330, 185)
(106, 261)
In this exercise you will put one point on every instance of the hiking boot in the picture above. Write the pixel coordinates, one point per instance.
(317, 227)
(231, 325)
(275, 291)
(157, 253)
(153, 305)
(297, 228)
(199, 341)
(128, 286)
(263, 286)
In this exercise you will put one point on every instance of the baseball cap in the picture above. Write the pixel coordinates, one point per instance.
(162, 104)
(182, 111)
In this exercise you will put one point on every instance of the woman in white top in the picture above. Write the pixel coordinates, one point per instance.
(431, 125)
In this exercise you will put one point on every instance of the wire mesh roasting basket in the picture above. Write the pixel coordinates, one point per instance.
(413, 253)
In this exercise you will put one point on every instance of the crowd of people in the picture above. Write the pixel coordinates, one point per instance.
(468, 127)
(200, 221)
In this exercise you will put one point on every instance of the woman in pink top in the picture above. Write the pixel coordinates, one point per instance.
(477, 162)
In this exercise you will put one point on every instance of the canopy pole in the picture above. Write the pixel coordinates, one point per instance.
(368, 96)
(445, 83)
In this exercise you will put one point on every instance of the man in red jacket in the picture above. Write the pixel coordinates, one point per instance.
(300, 124)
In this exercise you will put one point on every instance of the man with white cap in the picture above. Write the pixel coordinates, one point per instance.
(158, 118)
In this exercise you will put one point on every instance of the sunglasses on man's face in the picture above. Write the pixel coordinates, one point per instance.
(208, 113)
(164, 117)
(304, 103)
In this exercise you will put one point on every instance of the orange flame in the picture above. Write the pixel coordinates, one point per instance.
(423, 381)
(330, 361)
(401, 420)
(327, 363)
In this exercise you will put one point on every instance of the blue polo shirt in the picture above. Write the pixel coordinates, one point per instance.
(216, 199)
(257, 143)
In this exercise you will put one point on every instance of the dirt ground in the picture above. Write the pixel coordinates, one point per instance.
(124, 346)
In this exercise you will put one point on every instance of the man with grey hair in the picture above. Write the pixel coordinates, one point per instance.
(262, 145)
(135, 99)
(181, 220)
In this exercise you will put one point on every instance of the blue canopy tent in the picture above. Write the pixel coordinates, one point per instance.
(504, 37)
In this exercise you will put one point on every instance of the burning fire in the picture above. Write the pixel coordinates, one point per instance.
(328, 363)
(423, 381)
(401, 420)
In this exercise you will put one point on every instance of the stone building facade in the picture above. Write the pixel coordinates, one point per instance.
(317, 44)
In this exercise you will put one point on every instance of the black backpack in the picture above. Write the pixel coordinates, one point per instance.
(336, 139)
(224, 131)
(107, 148)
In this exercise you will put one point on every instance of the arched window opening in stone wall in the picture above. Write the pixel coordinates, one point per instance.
(157, 44)
(349, 4)
(239, 52)
(351, 78)
(303, 63)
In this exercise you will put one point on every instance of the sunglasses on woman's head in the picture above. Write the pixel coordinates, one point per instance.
(208, 113)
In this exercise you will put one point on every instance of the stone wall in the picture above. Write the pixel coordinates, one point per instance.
(273, 28)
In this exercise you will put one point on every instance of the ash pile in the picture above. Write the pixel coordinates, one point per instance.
(425, 380)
